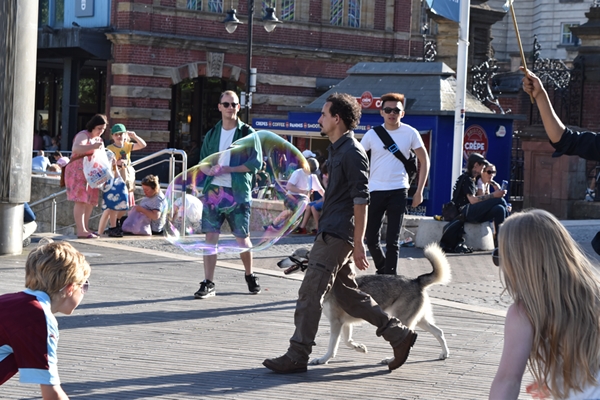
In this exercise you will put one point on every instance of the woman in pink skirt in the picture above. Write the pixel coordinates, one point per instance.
(78, 191)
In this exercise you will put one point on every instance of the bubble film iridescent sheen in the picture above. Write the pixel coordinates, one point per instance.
(274, 211)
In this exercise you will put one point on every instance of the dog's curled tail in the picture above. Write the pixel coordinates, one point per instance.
(441, 273)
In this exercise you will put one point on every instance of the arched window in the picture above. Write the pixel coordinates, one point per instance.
(215, 6)
(285, 8)
(345, 13)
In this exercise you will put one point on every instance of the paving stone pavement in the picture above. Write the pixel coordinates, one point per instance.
(139, 334)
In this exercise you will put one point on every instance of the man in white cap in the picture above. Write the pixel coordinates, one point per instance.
(308, 154)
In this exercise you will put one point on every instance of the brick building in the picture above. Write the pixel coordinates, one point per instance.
(172, 58)
(158, 66)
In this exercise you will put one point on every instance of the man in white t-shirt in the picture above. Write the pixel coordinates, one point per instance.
(389, 183)
(303, 183)
(227, 189)
(299, 187)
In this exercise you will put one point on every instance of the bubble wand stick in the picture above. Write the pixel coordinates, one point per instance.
(509, 4)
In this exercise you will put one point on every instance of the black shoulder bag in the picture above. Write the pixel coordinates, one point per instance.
(450, 210)
(410, 164)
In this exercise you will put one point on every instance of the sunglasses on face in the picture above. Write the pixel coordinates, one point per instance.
(118, 134)
(491, 172)
(389, 110)
(84, 286)
(226, 104)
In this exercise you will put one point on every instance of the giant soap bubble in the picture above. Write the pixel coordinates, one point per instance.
(274, 213)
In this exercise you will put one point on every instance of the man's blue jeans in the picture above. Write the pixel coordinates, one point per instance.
(493, 209)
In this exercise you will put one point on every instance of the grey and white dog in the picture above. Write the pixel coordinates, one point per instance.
(405, 299)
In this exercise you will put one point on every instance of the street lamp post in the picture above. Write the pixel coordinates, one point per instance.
(231, 23)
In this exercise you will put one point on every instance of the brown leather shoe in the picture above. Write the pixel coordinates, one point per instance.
(402, 350)
(284, 365)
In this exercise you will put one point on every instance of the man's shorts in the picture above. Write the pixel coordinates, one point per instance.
(218, 206)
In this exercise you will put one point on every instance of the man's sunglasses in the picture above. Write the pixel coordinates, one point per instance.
(496, 257)
(389, 110)
(491, 172)
(226, 104)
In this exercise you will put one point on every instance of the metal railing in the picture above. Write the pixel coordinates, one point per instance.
(172, 163)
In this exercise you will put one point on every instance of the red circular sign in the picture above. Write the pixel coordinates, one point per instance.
(366, 99)
(475, 141)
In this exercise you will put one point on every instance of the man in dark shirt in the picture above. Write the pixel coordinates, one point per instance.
(564, 140)
(479, 208)
(339, 241)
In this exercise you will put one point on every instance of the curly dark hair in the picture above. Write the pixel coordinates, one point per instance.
(346, 107)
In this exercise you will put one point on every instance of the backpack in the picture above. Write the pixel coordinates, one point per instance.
(452, 240)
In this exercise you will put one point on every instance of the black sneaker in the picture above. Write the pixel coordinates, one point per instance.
(253, 286)
(115, 232)
(207, 289)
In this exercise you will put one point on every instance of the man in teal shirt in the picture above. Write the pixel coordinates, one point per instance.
(228, 188)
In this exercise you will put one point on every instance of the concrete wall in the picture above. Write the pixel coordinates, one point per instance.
(43, 186)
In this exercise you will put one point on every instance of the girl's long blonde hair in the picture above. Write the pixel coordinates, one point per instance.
(546, 271)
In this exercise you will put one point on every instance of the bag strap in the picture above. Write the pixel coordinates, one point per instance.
(75, 157)
(389, 144)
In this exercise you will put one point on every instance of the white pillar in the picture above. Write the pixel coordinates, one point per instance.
(18, 46)
(461, 90)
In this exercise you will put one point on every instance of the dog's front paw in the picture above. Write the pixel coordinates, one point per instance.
(319, 361)
(386, 361)
(444, 355)
(361, 348)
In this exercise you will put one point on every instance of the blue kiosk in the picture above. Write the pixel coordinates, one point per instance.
(429, 90)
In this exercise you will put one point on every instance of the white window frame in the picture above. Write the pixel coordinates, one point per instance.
(567, 37)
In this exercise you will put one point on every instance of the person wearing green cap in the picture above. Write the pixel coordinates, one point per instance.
(122, 147)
